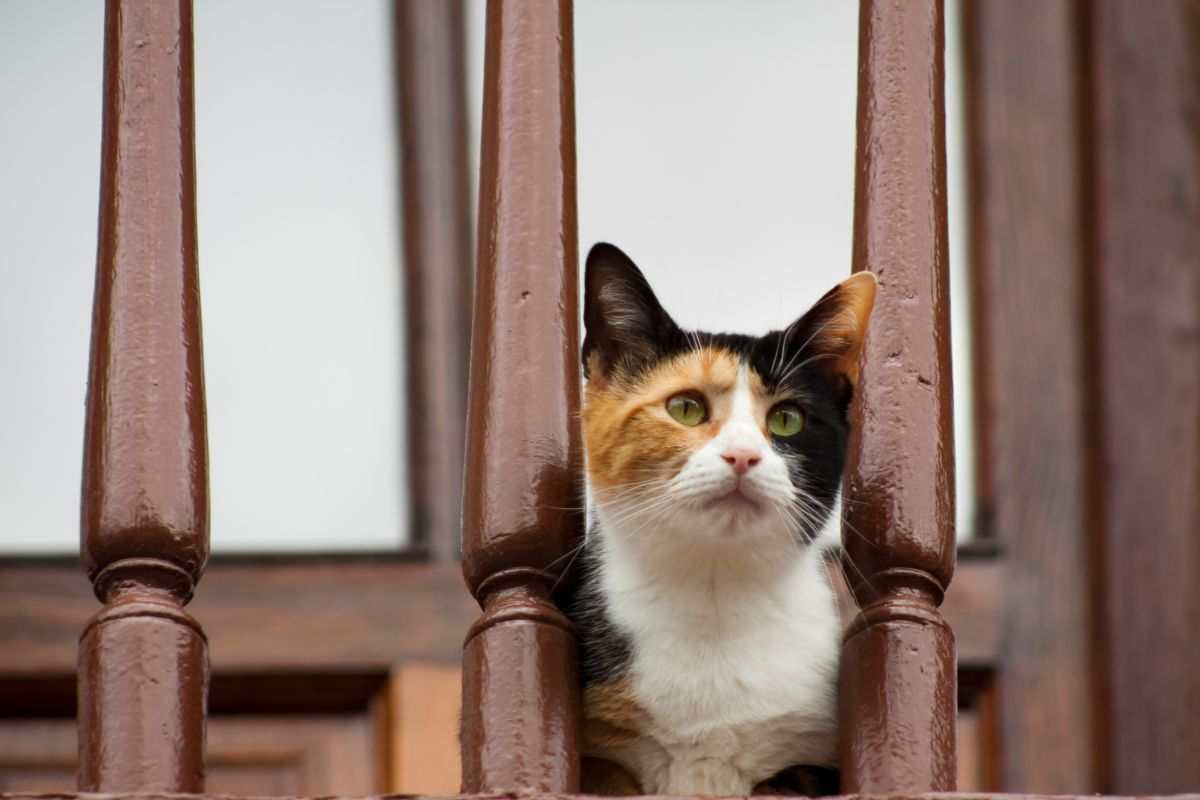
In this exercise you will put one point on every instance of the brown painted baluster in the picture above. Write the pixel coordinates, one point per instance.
(143, 664)
(898, 672)
(520, 689)
(437, 262)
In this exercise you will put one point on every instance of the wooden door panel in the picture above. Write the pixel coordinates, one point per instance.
(424, 706)
(401, 736)
(253, 755)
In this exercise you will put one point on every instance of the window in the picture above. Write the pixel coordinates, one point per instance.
(716, 148)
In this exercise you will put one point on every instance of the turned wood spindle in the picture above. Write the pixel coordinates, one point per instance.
(521, 517)
(897, 695)
(143, 663)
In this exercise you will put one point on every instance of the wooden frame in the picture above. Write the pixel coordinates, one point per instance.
(1084, 184)
(431, 84)
(258, 623)
(1027, 259)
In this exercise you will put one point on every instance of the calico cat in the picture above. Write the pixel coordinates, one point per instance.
(709, 633)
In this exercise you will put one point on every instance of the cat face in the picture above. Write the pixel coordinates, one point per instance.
(695, 438)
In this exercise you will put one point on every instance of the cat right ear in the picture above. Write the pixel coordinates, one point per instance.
(625, 322)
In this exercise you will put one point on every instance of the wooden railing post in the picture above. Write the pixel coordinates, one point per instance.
(143, 664)
(522, 496)
(898, 670)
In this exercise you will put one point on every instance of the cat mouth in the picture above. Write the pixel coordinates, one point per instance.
(734, 500)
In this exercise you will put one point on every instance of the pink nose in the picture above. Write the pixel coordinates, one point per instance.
(741, 459)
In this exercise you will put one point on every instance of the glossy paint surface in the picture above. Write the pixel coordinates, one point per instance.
(520, 712)
(899, 510)
(143, 668)
(143, 683)
(146, 455)
(523, 442)
(522, 495)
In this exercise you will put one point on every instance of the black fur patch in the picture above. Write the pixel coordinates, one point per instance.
(604, 650)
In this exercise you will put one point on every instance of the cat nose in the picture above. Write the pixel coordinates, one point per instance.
(741, 459)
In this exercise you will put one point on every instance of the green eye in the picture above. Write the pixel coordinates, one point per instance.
(687, 409)
(785, 419)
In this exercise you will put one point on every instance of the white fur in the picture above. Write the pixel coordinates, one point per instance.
(733, 624)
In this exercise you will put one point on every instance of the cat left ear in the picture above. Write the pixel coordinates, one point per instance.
(625, 322)
(834, 330)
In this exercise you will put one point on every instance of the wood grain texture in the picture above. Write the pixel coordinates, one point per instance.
(306, 617)
(247, 755)
(355, 620)
(1144, 74)
(1027, 262)
(425, 703)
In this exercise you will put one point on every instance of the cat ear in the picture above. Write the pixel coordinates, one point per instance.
(834, 330)
(625, 322)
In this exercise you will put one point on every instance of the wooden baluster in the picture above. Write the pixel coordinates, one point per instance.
(898, 673)
(437, 262)
(520, 516)
(143, 663)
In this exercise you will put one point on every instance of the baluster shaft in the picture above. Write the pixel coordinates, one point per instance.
(898, 671)
(143, 666)
(521, 519)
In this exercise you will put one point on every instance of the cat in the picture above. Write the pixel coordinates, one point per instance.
(709, 633)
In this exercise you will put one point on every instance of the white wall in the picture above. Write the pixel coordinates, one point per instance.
(716, 144)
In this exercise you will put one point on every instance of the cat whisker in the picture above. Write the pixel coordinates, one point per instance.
(804, 347)
(569, 554)
(789, 370)
(805, 363)
(574, 554)
(780, 345)
(805, 503)
(847, 561)
(645, 507)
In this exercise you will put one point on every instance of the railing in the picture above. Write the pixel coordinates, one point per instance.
(898, 683)
(143, 671)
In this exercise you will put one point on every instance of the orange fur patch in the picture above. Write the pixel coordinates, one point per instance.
(612, 718)
(613, 723)
(629, 435)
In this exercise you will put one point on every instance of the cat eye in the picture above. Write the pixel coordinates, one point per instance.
(687, 409)
(785, 419)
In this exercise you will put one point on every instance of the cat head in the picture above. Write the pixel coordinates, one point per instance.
(697, 438)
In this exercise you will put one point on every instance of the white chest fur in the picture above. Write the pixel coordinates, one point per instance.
(734, 659)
